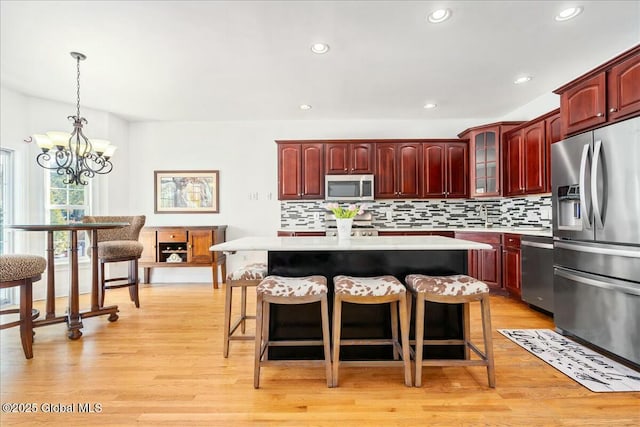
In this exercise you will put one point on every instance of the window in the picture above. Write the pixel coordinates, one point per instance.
(66, 203)
(7, 296)
(6, 199)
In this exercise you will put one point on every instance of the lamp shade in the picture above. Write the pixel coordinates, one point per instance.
(43, 141)
(108, 152)
(59, 139)
(99, 145)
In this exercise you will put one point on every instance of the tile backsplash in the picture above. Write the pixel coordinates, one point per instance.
(531, 211)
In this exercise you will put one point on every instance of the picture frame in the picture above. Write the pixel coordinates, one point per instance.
(195, 191)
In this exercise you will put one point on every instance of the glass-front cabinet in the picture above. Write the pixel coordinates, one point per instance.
(484, 158)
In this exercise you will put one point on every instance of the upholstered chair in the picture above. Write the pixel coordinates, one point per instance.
(22, 271)
(119, 245)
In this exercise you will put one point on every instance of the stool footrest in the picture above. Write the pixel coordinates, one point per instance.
(454, 362)
(295, 343)
(381, 341)
(371, 363)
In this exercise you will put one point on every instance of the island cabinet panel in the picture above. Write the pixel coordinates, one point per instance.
(605, 94)
(485, 264)
(397, 172)
(300, 171)
(182, 246)
(349, 158)
(444, 172)
(525, 160)
(511, 264)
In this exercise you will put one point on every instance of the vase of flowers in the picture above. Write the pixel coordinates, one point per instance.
(344, 218)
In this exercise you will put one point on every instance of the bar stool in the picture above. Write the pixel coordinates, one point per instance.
(372, 290)
(22, 270)
(456, 289)
(289, 290)
(245, 277)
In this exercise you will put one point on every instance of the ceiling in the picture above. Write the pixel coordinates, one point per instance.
(251, 60)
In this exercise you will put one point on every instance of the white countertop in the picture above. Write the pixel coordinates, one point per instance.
(382, 243)
(533, 231)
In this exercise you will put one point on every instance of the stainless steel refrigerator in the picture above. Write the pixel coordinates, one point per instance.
(596, 231)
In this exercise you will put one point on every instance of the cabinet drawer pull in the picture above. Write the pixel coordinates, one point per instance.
(599, 115)
(173, 236)
(613, 109)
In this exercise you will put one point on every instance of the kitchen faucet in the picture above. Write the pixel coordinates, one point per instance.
(484, 214)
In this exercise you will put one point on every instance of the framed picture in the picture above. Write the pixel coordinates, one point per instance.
(186, 191)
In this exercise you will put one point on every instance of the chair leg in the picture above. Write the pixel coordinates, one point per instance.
(228, 296)
(466, 330)
(488, 340)
(26, 321)
(324, 308)
(393, 306)
(258, 349)
(420, 303)
(101, 282)
(266, 314)
(243, 309)
(404, 332)
(133, 278)
(337, 319)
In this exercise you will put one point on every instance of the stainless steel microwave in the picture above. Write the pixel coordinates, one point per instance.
(348, 187)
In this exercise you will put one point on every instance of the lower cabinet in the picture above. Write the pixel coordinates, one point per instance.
(182, 247)
(511, 267)
(485, 264)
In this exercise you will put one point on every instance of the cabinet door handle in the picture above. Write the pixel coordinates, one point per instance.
(613, 109)
(172, 236)
(599, 115)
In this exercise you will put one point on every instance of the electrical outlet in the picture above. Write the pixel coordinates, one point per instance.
(316, 216)
(389, 215)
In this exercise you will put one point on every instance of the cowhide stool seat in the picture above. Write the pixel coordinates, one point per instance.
(372, 290)
(290, 290)
(456, 289)
(245, 277)
(22, 270)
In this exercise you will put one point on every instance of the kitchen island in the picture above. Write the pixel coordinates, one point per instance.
(370, 256)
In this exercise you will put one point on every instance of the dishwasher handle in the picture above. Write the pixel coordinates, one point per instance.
(536, 244)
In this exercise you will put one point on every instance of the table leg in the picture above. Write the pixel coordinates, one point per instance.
(74, 320)
(95, 291)
(51, 278)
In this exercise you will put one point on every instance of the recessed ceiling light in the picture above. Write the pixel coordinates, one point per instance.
(430, 105)
(319, 48)
(439, 15)
(569, 13)
(522, 79)
(305, 107)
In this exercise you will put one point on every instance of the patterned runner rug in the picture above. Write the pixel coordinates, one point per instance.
(593, 370)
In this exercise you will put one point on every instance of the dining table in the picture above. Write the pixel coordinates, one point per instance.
(73, 316)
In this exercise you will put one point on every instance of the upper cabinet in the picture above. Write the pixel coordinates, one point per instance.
(553, 134)
(397, 171)
(485, 174)
(608, 93)
(525, 160)
(300, 170)
(445, 167)
(349, 158)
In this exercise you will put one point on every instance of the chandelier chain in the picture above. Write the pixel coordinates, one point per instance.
(78, 86)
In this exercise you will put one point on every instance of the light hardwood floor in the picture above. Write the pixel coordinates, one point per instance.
(162, 364)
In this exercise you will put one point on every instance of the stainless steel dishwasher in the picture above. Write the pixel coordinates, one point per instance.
(537, 271)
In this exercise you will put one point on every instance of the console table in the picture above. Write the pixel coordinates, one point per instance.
(182, 246)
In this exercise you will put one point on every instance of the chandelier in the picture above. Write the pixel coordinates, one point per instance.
(74, 155)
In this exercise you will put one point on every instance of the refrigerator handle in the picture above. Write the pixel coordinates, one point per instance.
(594, 184)
(584, 212)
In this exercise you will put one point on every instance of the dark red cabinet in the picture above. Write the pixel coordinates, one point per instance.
(525, 160)
(349, 158)
(605, 94)
(485, 264)
(511, 263)
(300, 171)
(445, 167)
(397, 171)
